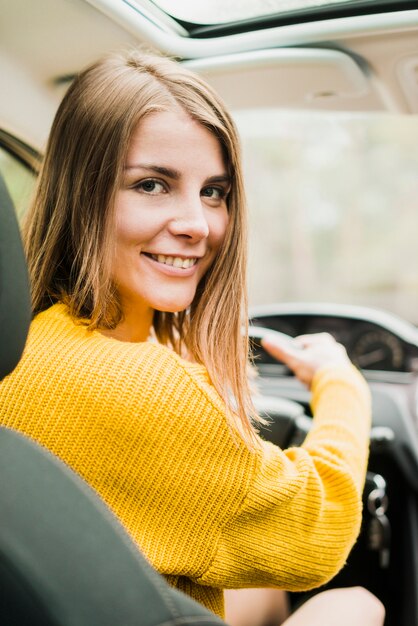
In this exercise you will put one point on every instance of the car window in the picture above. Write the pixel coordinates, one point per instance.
(218, 11)
(20, 180)
(333, 208)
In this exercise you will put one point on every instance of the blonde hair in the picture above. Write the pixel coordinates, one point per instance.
(68, 232)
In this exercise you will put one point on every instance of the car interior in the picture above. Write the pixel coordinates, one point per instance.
(310, 60)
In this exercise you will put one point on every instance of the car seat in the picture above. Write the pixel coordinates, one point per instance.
(65, 560)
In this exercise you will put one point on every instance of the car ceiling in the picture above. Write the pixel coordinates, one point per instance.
(355, 63)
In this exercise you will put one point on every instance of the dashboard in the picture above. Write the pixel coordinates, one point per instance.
(384, 346)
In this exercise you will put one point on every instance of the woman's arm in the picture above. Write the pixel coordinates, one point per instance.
(303, 512)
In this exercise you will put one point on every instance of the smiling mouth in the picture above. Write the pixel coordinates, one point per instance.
(174, 261)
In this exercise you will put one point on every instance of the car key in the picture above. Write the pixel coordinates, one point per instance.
(379, 535)
(379, 529)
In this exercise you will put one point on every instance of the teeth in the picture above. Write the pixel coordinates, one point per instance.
(175, 261)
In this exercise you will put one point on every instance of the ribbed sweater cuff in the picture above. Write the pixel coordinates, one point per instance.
(344, 375)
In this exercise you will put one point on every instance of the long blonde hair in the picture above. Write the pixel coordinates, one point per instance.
(68, 231)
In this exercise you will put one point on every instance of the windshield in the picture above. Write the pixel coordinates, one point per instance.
(223, 11)
(333, 208)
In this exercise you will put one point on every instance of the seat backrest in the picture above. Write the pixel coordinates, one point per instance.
(65, 560)
(14, 288)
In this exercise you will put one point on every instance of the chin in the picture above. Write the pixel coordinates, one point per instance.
(173, 302)
(172, 307)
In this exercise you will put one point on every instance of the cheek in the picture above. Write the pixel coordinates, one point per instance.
(125, 223)
(133, 227)
(218, 229)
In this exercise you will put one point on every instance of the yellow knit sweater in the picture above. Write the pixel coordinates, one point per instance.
(148, 431)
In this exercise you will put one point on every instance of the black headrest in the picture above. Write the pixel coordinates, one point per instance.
(14, 287)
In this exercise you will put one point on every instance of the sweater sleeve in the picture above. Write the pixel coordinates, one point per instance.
(232, 518)
(302, 513)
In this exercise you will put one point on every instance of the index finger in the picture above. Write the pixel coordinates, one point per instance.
(281, 348)
(313, 339)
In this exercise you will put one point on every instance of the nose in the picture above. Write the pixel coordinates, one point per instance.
(190, 220)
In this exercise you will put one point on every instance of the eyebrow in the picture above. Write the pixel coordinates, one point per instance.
(164, 171)
(175, 174)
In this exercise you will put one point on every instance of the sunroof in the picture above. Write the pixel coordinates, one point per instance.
(225, 11)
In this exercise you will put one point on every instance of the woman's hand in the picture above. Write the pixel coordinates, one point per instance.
(307, 354)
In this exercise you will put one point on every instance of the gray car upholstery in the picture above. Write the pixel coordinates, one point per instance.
(14, 291)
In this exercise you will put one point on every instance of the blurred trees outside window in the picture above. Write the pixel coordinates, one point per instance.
(333, 208)
(20, 181)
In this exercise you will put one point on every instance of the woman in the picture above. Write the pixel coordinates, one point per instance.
(135, 371)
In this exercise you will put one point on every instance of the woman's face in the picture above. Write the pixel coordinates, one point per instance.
(171, 213)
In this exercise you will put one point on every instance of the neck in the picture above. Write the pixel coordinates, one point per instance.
(134, 327)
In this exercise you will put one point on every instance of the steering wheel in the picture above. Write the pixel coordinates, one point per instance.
(287, 423)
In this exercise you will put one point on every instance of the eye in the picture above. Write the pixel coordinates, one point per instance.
(215, 193)
(150, 186)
